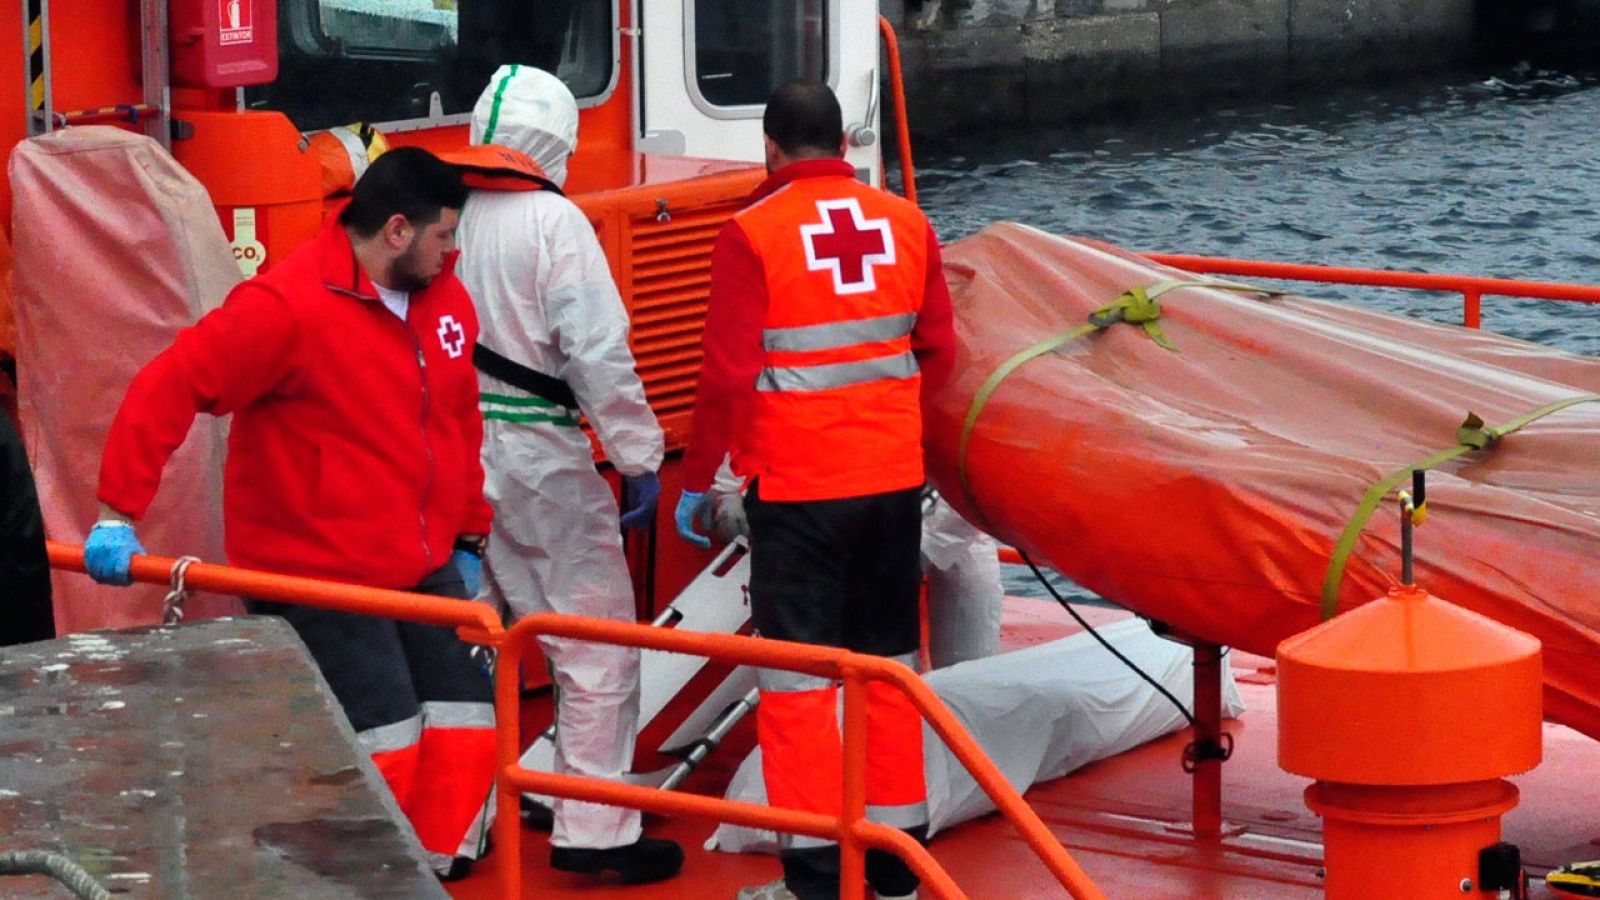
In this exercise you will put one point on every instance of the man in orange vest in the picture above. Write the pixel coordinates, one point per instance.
(828, 319)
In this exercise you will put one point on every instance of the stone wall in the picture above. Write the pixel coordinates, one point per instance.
(991, 63)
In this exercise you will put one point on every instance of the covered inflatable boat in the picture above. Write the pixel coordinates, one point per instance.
(1200, 467)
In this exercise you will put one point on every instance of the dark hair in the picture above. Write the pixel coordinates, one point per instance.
(803, 118)
(406, 180)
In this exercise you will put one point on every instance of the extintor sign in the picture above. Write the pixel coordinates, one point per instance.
(223, 43)
(235, 24)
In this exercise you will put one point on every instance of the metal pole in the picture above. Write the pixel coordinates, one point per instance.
(36, 63)
(1207, 733)
(1407, 576)
(155, 73)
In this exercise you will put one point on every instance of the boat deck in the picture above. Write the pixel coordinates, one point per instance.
(1126, 819)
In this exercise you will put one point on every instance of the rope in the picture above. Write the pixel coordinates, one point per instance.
(62, 869)
(1084, 624)
(172, 605)
(1472, 435)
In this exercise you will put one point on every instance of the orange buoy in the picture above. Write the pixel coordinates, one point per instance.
(1409, 711)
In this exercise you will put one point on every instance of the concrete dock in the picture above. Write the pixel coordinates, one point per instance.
(988, 63)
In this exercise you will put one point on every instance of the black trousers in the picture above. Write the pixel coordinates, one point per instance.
(26, 614)
(382, 670)
(839, 573)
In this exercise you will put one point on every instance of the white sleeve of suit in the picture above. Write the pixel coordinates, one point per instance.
(589, 324)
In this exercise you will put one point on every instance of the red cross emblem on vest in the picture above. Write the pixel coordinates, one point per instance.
(848, 245)
(452, 337)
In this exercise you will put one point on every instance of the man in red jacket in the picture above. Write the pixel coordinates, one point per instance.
(828, 318)
(353, 456)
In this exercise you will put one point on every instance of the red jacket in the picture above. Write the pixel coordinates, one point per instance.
(818, 443)
(353, 453)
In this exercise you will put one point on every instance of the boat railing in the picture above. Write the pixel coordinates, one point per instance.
(473, 622)
(850, 829)
(477, 623)
(902, 127)
(1472, 288)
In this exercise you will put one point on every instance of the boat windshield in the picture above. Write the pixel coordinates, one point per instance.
(421, 61)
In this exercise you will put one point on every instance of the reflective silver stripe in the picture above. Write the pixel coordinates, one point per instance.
(833, 375)
(909, 815)
(439, 862)
(803, 842)
(784, 681)
(395, 736)
(354, 149)
(456, 714)
(838, 334)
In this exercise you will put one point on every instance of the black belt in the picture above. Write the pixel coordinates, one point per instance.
(520, 376)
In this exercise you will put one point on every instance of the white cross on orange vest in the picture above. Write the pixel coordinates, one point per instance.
(848, 245)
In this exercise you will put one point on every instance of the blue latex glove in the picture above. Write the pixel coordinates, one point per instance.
(109, 551)
(692, 505)
(470, 567)
(640, 494)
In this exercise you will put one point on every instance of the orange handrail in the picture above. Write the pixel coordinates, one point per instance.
(1472, 288)
(474, 622)
(902, 125)
(851, 829)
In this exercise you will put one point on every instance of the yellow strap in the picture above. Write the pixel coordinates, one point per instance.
(1471, 435)
(981, 398)
(1135, 306)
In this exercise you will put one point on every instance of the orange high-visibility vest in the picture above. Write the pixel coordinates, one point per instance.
(837, 412)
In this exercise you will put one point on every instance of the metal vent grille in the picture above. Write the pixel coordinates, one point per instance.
(670, 280)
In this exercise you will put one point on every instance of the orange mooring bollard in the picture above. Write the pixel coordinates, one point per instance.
(1409, 711)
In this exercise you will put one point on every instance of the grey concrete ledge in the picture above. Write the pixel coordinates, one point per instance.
(986, 63)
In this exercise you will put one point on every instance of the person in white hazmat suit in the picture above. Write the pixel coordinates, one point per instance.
(547, 305)
(961, 563)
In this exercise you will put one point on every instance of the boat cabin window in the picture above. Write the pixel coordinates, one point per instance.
(743, 49)
(420, 61)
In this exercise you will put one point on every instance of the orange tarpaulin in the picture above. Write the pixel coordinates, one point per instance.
(1207, 487)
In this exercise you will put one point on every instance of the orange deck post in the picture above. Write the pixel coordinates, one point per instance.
(1472, 315)
(852, 852)
(1410, 711)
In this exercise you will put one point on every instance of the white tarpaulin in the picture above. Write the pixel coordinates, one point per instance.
(116, 248)
(1038, 713)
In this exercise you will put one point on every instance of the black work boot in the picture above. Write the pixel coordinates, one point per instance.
(459, 868)
(537, 816)
(644, 861)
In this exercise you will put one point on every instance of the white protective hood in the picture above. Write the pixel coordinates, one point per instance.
(530, 111)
